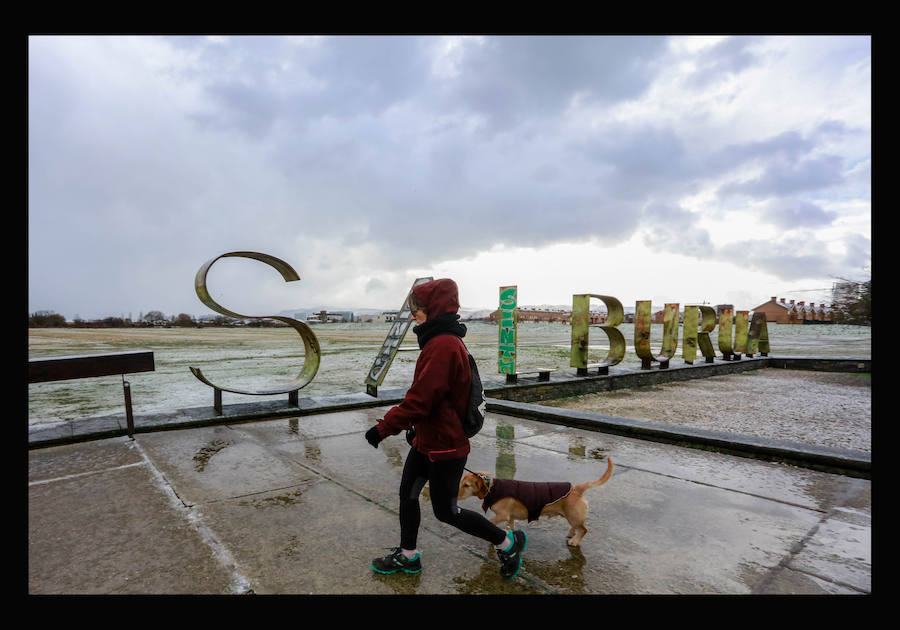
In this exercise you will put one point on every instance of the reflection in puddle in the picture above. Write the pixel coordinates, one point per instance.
(598, 452)
(401, 583)
(287, 498)
(567, 574)
(505, 467)
(576, 448)
(489, 581)
(202, 457)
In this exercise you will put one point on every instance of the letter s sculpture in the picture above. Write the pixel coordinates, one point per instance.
(312, 352)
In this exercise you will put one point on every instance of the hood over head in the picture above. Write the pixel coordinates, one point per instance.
(438, 297)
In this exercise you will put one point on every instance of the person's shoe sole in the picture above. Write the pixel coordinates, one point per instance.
(397, 570)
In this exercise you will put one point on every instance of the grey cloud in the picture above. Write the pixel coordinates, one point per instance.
(791, 162)
(788, 178)
(788, 146)
(502, 79)
(375, 285)
(244, 107)
(637, 159)
(859, 252)
(338, 150)
(272, 79)
(507, 78)
(796, 213)
(801, 257)
(730, 56)
(829, 127)
(346, 140)
(674, 229)
(783, 261)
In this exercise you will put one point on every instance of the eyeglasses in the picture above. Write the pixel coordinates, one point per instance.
(413, 309)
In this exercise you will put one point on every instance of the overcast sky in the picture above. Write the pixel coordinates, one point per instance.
(675, 169)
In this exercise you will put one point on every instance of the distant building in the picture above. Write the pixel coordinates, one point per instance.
(340, 316)
(330, 317)
(782, 311)
(776, 313)
(659, 317)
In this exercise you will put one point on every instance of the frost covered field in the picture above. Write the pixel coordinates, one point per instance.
(255, 358)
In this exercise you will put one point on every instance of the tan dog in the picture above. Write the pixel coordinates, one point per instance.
(508, 508)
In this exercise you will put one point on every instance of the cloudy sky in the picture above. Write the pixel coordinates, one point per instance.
(675, 169)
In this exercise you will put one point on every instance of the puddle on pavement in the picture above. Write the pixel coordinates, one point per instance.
(280, 500)
(202, 457)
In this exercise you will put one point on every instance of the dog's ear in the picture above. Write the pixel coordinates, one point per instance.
(469, 485)
(481, 481)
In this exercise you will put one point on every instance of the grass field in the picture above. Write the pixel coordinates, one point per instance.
(257, 358)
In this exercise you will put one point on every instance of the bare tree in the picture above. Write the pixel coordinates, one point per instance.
(183, 319)
(852, 302)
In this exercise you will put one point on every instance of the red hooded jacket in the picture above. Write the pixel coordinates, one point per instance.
(439, 394)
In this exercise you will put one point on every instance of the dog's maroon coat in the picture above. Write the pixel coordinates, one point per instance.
(534, 495)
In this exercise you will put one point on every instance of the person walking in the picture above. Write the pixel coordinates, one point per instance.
(431, 415)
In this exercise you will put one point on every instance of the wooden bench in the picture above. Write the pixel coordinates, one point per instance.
(543, 375)
(602, 368)
(90, 365)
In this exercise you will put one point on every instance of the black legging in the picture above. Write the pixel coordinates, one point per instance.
(443, 482)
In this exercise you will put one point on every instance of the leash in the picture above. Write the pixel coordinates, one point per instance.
(484, 478)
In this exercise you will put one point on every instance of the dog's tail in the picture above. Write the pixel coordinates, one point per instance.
(580, 488)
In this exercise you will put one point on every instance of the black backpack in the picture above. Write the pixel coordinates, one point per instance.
(474, 418)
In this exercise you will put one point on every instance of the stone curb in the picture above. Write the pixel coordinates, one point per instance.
(848, 462)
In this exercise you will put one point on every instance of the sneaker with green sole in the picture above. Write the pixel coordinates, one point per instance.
(511, 560)
(395, 562)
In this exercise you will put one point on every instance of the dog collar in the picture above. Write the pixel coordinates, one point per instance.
(485, 478)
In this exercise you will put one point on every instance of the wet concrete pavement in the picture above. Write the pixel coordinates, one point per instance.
(301, 505)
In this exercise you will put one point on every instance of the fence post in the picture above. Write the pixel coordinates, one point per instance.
(129, 416)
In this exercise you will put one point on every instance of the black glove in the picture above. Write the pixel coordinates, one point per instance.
(373, 436)
(410, 435)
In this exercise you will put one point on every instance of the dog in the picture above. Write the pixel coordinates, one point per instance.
(513, 501)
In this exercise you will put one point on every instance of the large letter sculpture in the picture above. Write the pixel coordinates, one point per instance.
(692, 338)
(758, 338)
(643, 319)
(507, 343)
(311, 354)
(741, 330)
(726, 318)
(689, 335)
(581, 324)
(391, 344)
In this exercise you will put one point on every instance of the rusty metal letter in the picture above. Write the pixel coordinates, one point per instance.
(689, 333)
(726, 318)
(312, 352)
(581, 325)
(708, 320)
(758, 338)
(643, 319)
(695, 314)
(741, 325)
